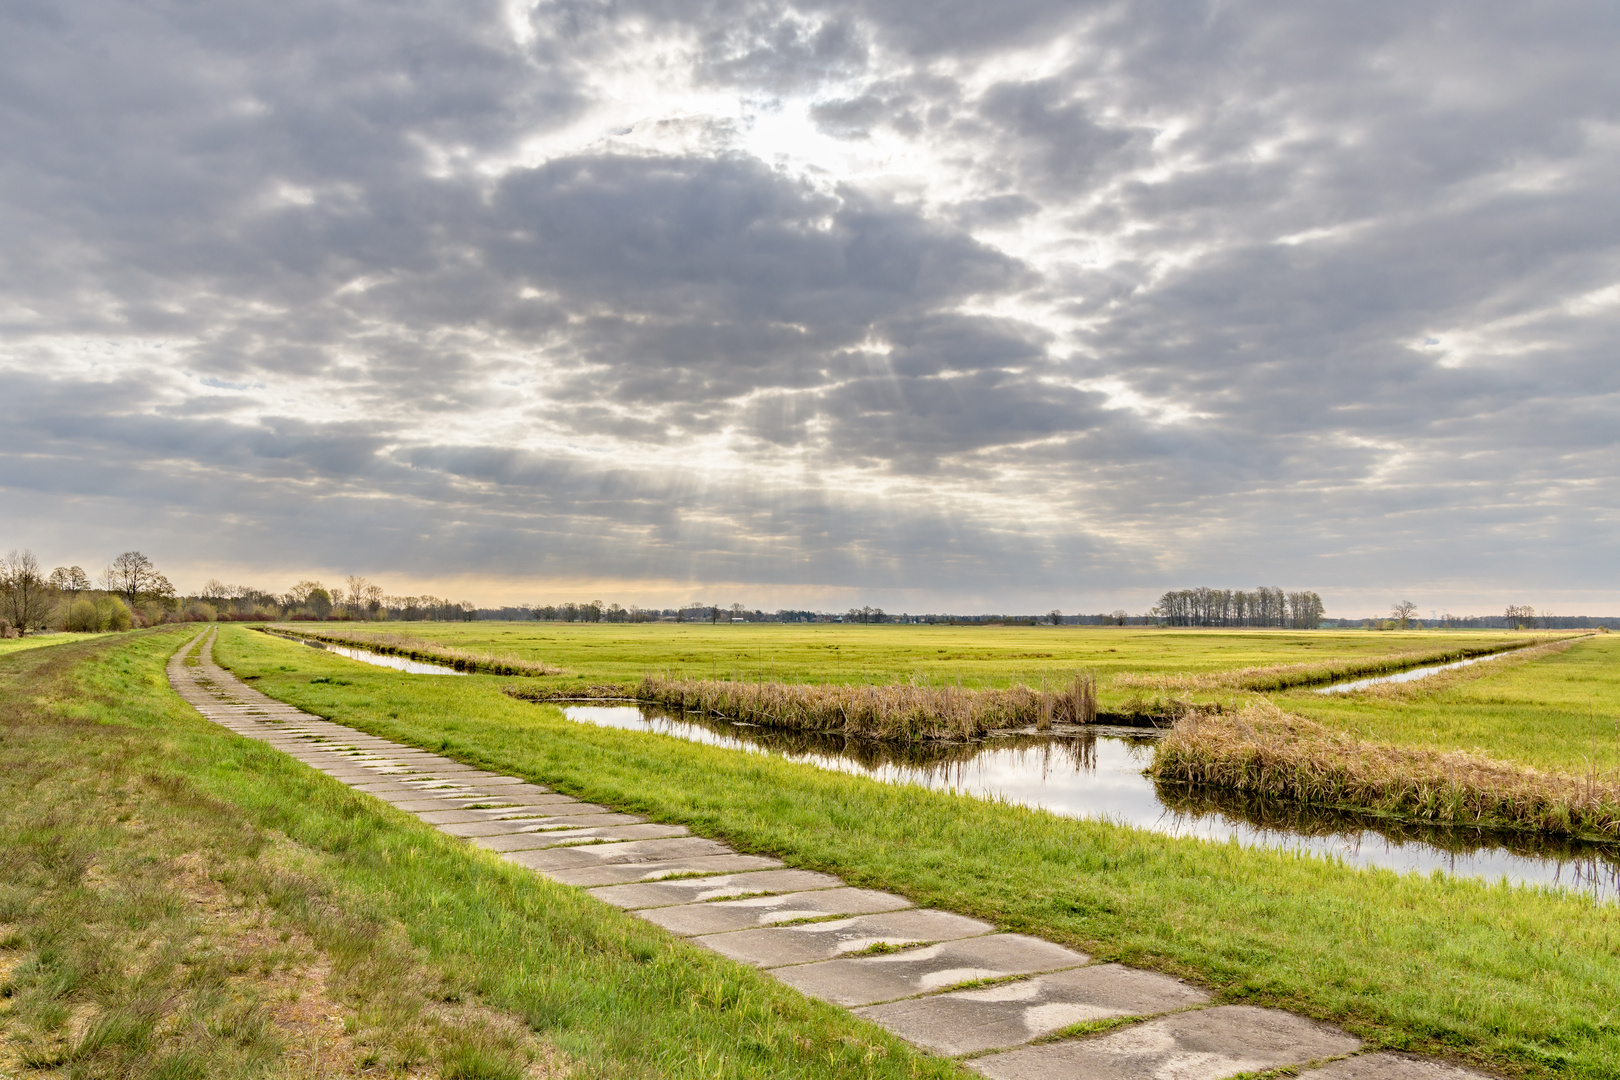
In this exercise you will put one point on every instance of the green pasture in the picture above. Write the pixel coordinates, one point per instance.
(1519, 979)
(970, 656)
(1559, 711)
(37, 641)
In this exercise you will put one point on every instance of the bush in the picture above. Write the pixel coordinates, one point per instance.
(6, 629)
(115, 615)
(82, 617)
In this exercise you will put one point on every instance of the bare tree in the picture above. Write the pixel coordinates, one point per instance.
(71, 580)
(23, 599)
(354, 596)
(1403, 611)
(1056, 616)
(133, 576)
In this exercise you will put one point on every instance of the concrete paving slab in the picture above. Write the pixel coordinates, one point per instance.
(413, 804)
(1208, 1044)
(721, 916)
(869, 979)
(631, 851)
(1388, 1065)
(531, 841)
(479, 824)
(617, 873)
(779, 945)
(1010, 1014)
(698, 890)
(534, 812)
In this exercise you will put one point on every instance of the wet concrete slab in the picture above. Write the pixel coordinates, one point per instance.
(698, 890)
(632, 851)
(720, 916)
(530, 841)
(614, 874)
(1388, 1065)
(485, 826)
(1013, 1013)
(868, 979)
(1206, 1044)
(779, 945)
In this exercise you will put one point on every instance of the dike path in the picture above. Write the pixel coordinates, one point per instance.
(814, 933)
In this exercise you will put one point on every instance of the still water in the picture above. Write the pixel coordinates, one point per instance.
(1097, 772)
(1412, 674)
(398, 663)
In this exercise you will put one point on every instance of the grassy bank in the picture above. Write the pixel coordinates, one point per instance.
(1556, 709)
(1267, 753)
(1518, 979)
(176, 901)
(420, 649)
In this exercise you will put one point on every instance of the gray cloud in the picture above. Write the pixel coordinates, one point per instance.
(1068, 304)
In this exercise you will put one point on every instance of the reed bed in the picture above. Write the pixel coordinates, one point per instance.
(427, 652)
(1288, 676)
(880, 712)
(1265, 752)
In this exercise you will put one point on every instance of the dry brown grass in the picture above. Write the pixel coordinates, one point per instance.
(429, 652)
(880, 712)
(1266, 752)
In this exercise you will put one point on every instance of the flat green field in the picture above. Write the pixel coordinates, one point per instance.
(1559, 711)
(1520, 979)
(935, 655)
(37, 641)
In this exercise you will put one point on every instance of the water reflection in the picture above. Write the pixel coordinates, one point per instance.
(1413, 674)
(1098, 773)
(398, 663)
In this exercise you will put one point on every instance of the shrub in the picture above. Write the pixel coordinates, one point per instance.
(115, 615)
(82, 616)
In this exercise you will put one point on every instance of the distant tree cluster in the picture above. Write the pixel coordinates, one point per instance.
(1229, 607)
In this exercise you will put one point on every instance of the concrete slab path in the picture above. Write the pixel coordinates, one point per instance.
(944, 982)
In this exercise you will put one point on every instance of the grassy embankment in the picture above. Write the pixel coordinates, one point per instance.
(36, 641)
(1519, 979)
(176, 901)
(1138, 669)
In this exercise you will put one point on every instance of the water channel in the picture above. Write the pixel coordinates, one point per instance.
(398, 663)
(1097, 772)
(1413, 674)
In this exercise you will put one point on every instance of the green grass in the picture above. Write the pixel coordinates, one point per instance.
(889, 654)
(38, 641)
(1521, 979)
(166, 886)
(1560, 711)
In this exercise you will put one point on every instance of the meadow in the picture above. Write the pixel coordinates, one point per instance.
(1519, 979)
(1129, 662)
(1556, 709)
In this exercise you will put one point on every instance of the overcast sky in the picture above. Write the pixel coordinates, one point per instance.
(934, 305)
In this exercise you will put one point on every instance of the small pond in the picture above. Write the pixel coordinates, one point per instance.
(1097, 772)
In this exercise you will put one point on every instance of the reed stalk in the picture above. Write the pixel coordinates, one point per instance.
(879, 712)
(1263, 751)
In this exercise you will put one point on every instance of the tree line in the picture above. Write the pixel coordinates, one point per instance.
(1234, 607)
